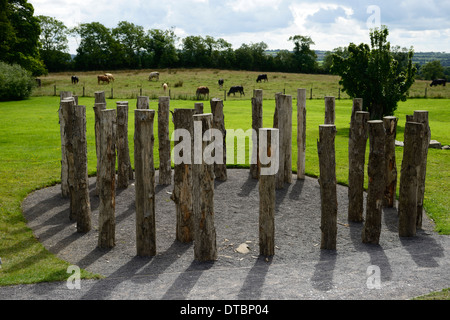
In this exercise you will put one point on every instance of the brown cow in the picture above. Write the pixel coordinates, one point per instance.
(202, 90)
(102, 79)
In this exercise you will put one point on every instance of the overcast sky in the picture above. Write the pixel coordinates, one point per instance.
(422, 24)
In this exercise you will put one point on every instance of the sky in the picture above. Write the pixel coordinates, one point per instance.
(421, 24)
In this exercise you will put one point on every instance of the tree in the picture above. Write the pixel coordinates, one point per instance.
(304, 56)
(54, 50)
(432, 70)
(160, 48)
(131, 39)
(372, 73)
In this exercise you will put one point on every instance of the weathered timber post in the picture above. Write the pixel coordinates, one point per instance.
(99, 97)
(107, 181)
(98, 107)
(82, 202)
(301, 133)
(421, 116)
(143, 102)
(124, 172)
(257, 123)
(390, 128)
(376, 173)
(357, 157)
(267, 198)
(182, 177)
(165, 170)
(409, 178)
(205, 248)
(283, 121)
(327, 181)
(357, 106)
(145, 182)
(220, 169)
(198, 106)
(64, 168)
(330, 113)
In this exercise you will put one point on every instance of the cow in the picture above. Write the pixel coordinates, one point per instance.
(437, 82)
(262, 77)
(202, 91)
(75, 80)
(102, 79)
(235, 89)
(152, 75)
(165, 86)
(220, 83)
(110, 76)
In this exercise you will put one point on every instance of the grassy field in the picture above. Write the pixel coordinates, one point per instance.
(130, 84)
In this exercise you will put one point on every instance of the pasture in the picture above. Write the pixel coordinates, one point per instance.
(30, 159)
(183, 84)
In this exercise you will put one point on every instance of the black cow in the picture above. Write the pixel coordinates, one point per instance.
(75, 79)
(221, 82)
(262, 77)
(437, 82)
(235, 89)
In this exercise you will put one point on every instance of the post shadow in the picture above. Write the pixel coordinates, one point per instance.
(322, 278)
(253, 283)
(248, 186)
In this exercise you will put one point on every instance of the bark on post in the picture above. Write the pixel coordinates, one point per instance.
(205, 248)
(376, 173)
(143, 102)
(330, 115)
(283, 115)
(327, 181)
(421, 116)
(64, 168)
(357, 106)
(165, 170)
(145, 182)
(198, 106)
(301, 133)
(98, 107)
(267, 201)
(257, 123)
(390, 127)
(357, 157)
(107, 181)
(99, 97)
(182, 177)
(124, 172)
(220, 169)
(409, 179)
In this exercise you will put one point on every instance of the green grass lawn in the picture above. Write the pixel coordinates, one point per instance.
(30, 159)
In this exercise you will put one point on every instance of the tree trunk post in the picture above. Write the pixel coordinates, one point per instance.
(421, 116)
(283, 115)
(145, 182)
(327, 181)
(267, 200)
(357, 157)
(257, 123)
(99, 97)
(409, 179)
(301, 133)
(182, 177)
(390, 127)
(98, 107)
(107, 182)
(330, 113)
(220, 169)
(165, 170)
(123, 151)
(198, 106)
(143, 102)
(64, 168)
(376, 173)
(205, 248)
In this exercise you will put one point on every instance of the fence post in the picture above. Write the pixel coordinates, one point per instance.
(220, 169)
(301, 133)
(390, 127)
(257, 123)
(330, 114)
(143, 102)
(165, 169)
(64, 169)
(124, 172)
(283, 122)
(198, 106)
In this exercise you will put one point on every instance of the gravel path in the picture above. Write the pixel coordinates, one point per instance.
(299, 269)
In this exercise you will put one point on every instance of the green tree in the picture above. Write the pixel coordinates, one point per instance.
(372, 73)
(432, 70)
(328, 58)
(304, 56)
(160, 48)
(131, 39)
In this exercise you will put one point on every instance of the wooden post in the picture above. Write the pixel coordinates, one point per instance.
(327, 181)
(145, 182)
(182, 177)
(421, 116)
(301, 133)
(107, 181)
(330, 115)
(390, 128)
(357, 157)
(376, 173)
(357, 106)
(267, 202)
(283, 121)
(220, 169)
(124, 172)
(98, 107)
(99, 97)
(82, 202)
(165, 170)
(143, 102)
(409, 179)
(257, 123)
(205, 248)
(64, 168)
(198, 106)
